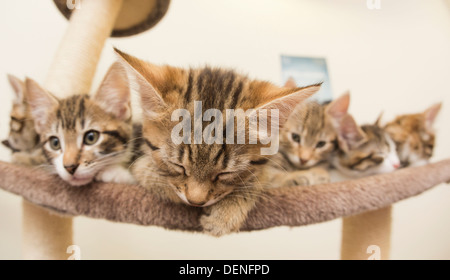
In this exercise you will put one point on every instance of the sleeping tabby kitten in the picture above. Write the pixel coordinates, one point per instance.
(363, 151)
(308, 139)
(23, 140)
(86, 138)
(225, 179)
(414, 136)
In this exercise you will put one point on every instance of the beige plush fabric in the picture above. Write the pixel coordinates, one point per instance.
(295, 206)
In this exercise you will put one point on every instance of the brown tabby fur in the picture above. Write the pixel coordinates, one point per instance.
(23, 139)
(70, 120)
(225, 179)
(307, 140)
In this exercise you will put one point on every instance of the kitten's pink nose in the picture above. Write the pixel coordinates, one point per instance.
(303, 161)
(71, 168)
(396, 165)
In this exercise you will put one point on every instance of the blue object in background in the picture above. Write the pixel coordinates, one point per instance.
(306, 71)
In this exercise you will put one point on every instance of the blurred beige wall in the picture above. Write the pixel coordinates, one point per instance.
(396, 60)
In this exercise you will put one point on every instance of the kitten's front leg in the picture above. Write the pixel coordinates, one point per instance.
(116, 174)
(227, 215)
(310, 177)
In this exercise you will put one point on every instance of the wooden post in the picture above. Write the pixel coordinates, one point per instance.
(46, 235)
(367, 235)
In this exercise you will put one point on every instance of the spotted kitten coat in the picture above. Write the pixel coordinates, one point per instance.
(86, 138)
(363, 151)
(224, 179)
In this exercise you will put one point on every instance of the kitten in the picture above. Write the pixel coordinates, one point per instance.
(86, 138)
(414, 136)
(307, 140)
(309, 137)
(363, 151)
(23, 139)
(222, 178)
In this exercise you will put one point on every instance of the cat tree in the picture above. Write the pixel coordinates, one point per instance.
(365, 203)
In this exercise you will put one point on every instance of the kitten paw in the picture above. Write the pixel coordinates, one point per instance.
(320, 176)
(217, 226)
(297, 181)
(116, 174)
(309, 177)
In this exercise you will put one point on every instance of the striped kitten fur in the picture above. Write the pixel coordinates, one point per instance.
(225, 179)
(414, 136)
(309, 137)
(363, 150)
(308, 140)
(86, 138)
(23, 139)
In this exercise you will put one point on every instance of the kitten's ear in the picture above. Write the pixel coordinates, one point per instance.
(19, 89)
(431, 114)
(338, 108)
(350, 135)
(378, 120)
(145, 78)
(290, 83)
(113, 95)
(41, 103)
(287, 100)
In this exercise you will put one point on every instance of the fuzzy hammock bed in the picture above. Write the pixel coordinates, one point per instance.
(288, 206)
(365, 204)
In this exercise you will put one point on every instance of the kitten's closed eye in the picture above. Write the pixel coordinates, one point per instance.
(320, 144)
(224, 176)
(377, 159)
(259, 161)
(180, 169)
(228, 178)
(150, 145)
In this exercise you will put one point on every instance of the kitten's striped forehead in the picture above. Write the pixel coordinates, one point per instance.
(309, 118)
(376, 136)
(71, 111)
(217, 88)
(205, 158)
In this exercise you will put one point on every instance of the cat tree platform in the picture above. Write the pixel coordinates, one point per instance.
(292, 206)
(284, 206)
(134, 17)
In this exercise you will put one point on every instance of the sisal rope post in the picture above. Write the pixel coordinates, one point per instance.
(367, 236)
(46, 235)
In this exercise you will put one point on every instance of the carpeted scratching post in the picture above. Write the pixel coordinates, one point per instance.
(367, 235)
(46, 235)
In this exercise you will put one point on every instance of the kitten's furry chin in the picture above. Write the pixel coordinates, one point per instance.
(79, 182)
